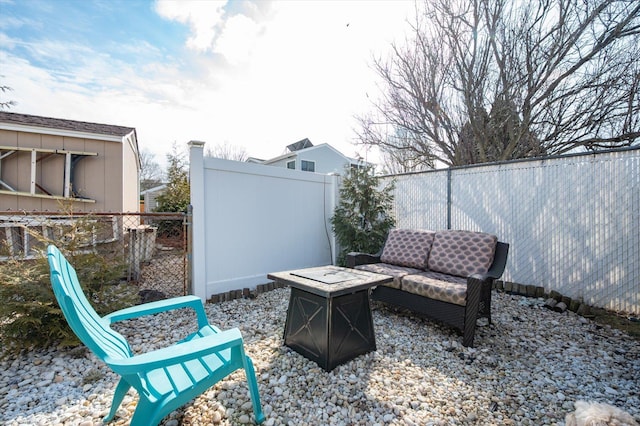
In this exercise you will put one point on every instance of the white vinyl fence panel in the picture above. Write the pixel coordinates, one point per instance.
(251, 219)
(573, 223)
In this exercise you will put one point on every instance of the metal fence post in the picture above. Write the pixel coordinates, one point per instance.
(188, 234)
(449, 201)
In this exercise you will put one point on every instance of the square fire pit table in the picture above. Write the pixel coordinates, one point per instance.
(329, 317)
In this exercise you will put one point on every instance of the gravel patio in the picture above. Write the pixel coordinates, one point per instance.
(528, 368)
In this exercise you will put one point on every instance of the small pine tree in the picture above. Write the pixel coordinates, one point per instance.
(29, 313)
(362, 218)
(176, 196)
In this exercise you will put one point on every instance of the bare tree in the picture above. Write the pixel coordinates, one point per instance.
(227, 152)
(150, 171)
(402, 159)
(3, 90)
(491, 80)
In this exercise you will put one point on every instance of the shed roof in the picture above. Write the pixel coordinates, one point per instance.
(58, 123)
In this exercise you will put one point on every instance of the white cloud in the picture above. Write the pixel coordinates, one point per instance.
(292, 70)
(236, 43)
(307, 73)
(203, 18)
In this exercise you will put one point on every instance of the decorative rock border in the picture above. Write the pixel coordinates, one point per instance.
(554, 300)
(245, 293)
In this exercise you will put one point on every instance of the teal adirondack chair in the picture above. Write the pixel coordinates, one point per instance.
(166, 378)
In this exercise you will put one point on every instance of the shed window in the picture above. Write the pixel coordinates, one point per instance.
(308, 166)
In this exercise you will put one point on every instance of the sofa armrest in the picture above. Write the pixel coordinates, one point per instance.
(478, 298)
(499, 260)
(479, 279)
(354, 259)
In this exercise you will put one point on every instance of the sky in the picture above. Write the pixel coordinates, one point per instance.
(254, 75)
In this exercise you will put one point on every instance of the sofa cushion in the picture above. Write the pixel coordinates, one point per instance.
(438, 286)
(462, 253)
(397, 272)
(407, 247)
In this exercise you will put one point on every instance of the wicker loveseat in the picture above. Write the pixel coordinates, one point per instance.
(445, 275)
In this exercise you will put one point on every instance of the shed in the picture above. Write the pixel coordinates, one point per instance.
(44, 161)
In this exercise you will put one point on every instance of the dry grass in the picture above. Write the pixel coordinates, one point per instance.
(626, 323)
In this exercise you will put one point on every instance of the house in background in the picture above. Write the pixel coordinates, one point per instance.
(150, 197)
(303, 155)
(44, 161)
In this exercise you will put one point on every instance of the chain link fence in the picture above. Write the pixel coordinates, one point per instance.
(153, 248)
(572, 221)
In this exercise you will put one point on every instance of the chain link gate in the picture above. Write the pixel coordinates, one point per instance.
(153, 247)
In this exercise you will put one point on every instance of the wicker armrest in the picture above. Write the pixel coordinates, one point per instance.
(499, 260)
(481, 278)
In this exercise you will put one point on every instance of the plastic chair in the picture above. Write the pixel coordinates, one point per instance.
(166, 378)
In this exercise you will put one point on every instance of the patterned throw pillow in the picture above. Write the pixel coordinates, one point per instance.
(407, 247)
(462, 253)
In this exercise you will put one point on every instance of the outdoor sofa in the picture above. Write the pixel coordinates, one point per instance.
(444, 275)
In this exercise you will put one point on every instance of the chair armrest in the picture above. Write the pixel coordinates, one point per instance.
(355, 259)
(178, 353)
(161, 306)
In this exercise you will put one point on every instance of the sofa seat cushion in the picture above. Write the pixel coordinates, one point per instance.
(438, 286)
(462, 253)
(407, 247)
(397, 272)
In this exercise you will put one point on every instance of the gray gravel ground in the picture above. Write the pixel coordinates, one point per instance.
(528, 368)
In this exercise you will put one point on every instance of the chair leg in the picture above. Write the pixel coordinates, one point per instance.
(469, 330)
(253, 388)
(485, 301)
(474, 296)
(121, 390)
(146, 414)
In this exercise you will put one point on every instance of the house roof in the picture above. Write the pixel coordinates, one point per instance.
(62, 124)
(158, 188)
(310, 148)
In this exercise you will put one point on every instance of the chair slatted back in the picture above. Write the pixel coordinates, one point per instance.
(85, 322)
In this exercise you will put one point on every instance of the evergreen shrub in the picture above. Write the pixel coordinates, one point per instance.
(363, 218)
(29, 313)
